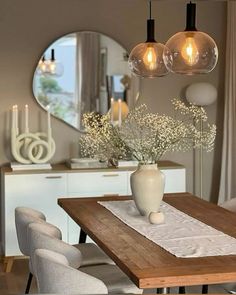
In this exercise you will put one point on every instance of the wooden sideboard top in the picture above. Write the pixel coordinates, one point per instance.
(62, 168)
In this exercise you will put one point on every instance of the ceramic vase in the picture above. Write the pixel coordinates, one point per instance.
(147, 186)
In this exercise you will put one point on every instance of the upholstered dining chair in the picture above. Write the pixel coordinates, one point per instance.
(115, 280)
(23, 217)
(55, 275)
(230, 205)
(92, 255)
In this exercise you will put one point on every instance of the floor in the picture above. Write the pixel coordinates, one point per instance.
(14, 282)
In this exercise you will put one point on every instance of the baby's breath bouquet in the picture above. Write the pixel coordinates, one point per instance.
(146, 136)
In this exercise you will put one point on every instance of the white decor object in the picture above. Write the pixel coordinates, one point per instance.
(156, 217)
(127, 163)
(201, 94)
(86, 163)
(27, 147)
(181, 234)
(15, 166)
(147, 185)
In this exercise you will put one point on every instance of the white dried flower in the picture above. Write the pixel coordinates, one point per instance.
(148, 136)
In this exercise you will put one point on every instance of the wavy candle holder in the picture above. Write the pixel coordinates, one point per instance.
(28, 148)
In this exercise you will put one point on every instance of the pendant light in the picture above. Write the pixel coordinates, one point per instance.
(193, 52)
(50, 67)
(146, 59)
(55, 68)
(42, 66)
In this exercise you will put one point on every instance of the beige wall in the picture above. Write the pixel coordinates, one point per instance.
(28, 26)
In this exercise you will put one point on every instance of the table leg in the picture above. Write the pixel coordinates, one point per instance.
(182, 290)
(82, 237)
(205, 289)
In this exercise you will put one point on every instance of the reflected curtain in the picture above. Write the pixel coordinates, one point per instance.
(228, 168)
(87, 71)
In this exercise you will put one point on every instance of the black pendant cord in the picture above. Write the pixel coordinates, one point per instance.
(52, 55)
(150, 26)
(150, 9)
(191, 17)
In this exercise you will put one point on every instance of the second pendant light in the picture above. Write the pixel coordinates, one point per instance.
(193, 52)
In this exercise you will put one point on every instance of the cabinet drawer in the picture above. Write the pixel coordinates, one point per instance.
(94, 182)
(174, 180)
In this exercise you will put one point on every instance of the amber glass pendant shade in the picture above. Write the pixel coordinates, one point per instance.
(192, 51)
(146, 59)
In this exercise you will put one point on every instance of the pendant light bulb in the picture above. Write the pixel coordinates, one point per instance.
(150, 58)
(146, 59)
(192, 51)
(42, 66)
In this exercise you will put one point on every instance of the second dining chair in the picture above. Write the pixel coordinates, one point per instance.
(23, 217)
(55, 275)
(114, 279)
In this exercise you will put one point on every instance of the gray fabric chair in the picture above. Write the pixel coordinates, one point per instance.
(92, 255)
(230, 205)
(23, 217)
(114, 279)
(42, 237)
(55, 275)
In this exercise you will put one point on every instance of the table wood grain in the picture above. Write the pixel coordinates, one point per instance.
(147, 264)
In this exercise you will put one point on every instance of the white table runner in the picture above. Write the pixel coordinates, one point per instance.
(181, 235)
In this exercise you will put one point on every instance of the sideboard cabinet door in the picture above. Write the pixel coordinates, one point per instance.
(38, 191)
(93, 184)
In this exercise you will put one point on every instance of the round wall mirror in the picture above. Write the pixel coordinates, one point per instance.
(81, 72)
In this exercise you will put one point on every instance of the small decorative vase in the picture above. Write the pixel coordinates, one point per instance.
(147, 186)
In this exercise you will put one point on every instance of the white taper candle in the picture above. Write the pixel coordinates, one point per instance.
(112, 110)
(119, 112)
(13, 117)
(16, 119)
(49, 117)
(49, 124)
(26, 118)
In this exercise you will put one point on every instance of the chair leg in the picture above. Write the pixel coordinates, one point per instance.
(82, 237)
(28, 283)
(182, 290)
(205, 289)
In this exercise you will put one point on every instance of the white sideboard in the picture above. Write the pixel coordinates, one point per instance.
(41, 189)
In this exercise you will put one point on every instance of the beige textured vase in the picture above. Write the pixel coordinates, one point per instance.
(147, 186)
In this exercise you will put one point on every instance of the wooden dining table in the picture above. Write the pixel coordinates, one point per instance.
(145, 263)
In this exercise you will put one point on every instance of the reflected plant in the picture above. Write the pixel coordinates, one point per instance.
(60, 102)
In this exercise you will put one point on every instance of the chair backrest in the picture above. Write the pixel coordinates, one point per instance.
(23, 217)
(54, 275)
(46, 236)
(230, 205)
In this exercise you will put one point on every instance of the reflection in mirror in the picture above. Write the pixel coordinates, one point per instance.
(80, 73)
